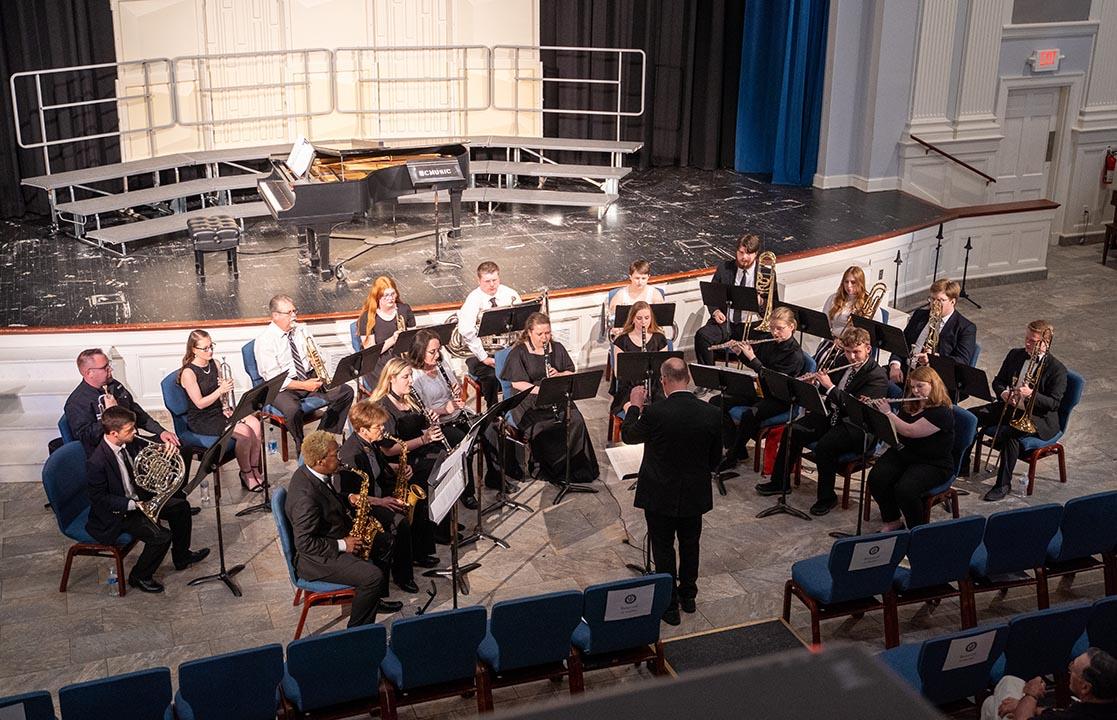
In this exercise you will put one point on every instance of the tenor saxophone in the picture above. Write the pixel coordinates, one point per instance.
(411, 494)
(365, 526)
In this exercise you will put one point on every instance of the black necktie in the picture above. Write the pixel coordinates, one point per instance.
(492, 302)
(300, 369)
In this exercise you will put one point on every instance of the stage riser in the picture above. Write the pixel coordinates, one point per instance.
(42, 365)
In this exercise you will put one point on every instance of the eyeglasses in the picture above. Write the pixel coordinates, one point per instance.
(106, 366)
(291, 312)
(207, 348)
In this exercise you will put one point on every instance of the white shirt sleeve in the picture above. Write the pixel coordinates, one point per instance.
(467, 324)
(341, 545)
(273, 355)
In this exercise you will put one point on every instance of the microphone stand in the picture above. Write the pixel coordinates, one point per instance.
(965, 271)
(938, 250)
(896, 284)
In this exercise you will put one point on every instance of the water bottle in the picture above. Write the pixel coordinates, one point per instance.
(1021, 482)
(113, 583)
(205, 492)
(273, 441)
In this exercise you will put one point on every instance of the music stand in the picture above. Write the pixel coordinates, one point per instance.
(251, 402)
(495, 413)
(407, 338)
(564, 390)
(873, 424)
(725, 381)
(664, 314)
(447, 483)
(641, 367)
(960, 379)
(210, 460)
(508, 319)
(811, 322)
(796, 393)
(882, 336)
(729, 298)
(354, 366)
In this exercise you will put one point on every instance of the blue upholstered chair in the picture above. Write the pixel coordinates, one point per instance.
(310, 592)
(829, 588)
(240, 685)
(1013, 550)
(529, 639)
(64, 430)
(432, 656)
(965, 428)
(601, 642)
(35, 705)
(1088, 528)
(67, 490)
(921, 666)
(738, 411)
(142, 695)
(354, 338)
(337, 674)
(1041, 643)
(193, 444)
(1033, 449)
(312, 406)
(1101, 628)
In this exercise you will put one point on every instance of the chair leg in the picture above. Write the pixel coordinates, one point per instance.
(283, 443)
(483, 681)
(891, 620)
(298, 597)
(787, 601)
(577, 677)
(1043, 600)
(302, 620)
(1109, 568)
(121, 585)
(387, 700)
(954, 504)
(659, 667)
(1032, 473)
(847, 479)
(66, 570)
(968, 603)
(1062, 463)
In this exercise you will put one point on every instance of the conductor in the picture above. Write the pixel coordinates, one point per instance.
(674, 487)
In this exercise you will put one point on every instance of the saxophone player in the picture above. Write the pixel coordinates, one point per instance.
(957, 336)
(281, 349)
(489, 293)
(322, 522)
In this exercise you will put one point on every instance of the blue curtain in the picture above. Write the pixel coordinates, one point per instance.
(783, 64)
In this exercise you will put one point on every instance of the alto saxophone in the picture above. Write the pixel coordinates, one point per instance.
(410, 495)
(365, 526)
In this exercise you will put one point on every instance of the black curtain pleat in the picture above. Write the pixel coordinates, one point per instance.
(42, 34)
(693, 54)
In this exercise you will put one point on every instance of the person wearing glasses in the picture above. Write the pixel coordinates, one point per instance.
(98, 391)
(1092, 677)
(281, 349)
(206, 414)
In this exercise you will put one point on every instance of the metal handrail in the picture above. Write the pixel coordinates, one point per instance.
(929, 148)
(461, 80)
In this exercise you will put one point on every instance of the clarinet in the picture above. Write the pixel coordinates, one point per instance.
(417, 405)
(647, 373)
(546, 360)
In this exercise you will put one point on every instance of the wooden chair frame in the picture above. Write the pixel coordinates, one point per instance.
(116, 552)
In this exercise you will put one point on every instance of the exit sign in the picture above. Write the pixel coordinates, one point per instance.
(1045, 60)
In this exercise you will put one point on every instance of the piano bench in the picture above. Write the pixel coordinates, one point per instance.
(213, 234)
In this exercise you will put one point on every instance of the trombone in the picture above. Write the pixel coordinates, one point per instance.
(1021, 418)
(866, 309)
(765, 285)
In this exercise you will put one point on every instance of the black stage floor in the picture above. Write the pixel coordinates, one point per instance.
(678, 219)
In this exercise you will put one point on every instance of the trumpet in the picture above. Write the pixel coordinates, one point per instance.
(314, 357)
(226, 373)
(731, 343)
(103, 401)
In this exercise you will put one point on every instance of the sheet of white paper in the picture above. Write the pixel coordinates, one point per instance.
(626, 459)
(631, 603)
(448, 485)
(300, 157)
(964, 652)
(872, 553)
(13, 712)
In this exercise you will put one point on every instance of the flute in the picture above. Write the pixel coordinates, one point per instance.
(730, 343)
(840, 367)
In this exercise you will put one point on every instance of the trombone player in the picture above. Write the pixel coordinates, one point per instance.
(741, 270)
(1030, 387)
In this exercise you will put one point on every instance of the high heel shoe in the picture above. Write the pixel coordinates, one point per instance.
(258, 487)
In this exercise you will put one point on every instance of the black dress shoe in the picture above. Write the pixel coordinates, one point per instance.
(427, 561)
(195, 557)
(671, 616)
(151, 585)
(687, 604)
(822, 507)
(470, 502)
(387, 607)
(195, 510)
(769, 488)
(408, 586)
(997, 492)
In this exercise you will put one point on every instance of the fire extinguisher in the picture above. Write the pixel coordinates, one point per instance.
(1109, 167)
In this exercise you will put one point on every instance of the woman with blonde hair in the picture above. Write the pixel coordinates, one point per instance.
(850, 294)
(925, 459)
(200, 377)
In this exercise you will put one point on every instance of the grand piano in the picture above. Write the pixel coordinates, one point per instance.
(316, 187)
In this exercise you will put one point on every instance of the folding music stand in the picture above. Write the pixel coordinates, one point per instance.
(882, 336)
(448, 479)
(508, 319)
(252, 402)
(729, 298)
(407, 338)
(495, 413)
(641, 367)
(811, 322)
(960, 379)
(873, 424)
(664, 314)
(354, 366)
(564, 390)
(796, 393)
(725, 381)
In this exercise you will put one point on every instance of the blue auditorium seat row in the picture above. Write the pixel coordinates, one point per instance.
(958, 558)
(430, 656)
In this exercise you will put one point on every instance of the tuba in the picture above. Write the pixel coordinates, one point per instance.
(765, 285)
(365, 526)
(161, 471)
(410, 495)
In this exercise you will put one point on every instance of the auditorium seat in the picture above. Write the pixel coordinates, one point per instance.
(1101, 628)
(923, 666)
(1088, 529)
(336, 674)
(143, 695)
(1013, 550)
(33, 705)
(602, 641)
(240, 685)
(1041, 643)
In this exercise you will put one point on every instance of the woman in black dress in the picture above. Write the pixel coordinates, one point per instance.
(641, 333)
(531, 359)
(423, 440)
(383, 318)
(925, 459)
(200, 377)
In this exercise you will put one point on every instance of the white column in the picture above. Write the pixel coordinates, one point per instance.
(931, 90)
(977, 92)
(1100, 108)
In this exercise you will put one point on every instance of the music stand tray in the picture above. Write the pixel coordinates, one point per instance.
(565, 390)
(664, 314)
(511, 318)
(353, 366)
(407, 337)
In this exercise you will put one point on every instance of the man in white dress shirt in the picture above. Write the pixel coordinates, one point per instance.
(489, 293)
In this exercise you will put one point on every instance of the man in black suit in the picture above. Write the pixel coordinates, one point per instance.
(957, 335)
(682, 446)
(834, 438)
(112, 504)
(739, 271)
(322, 524)
(1047, 395)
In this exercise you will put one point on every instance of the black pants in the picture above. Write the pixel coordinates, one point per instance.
(750, 423)
(712, 334)
(1007, 442)
(832, 442)
(363, 575)
(898, 487)
(157, 540)
(486, 378)
(392, 548)
(662, 532)
(338, 399)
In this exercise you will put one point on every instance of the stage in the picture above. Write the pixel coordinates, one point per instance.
(681, 220)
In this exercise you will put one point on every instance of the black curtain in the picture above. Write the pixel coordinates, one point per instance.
(41, 34)
(693, 71)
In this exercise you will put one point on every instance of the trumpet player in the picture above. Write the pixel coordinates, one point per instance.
(281, 349)
(641, 333)
(113, 493)
(489, 293)
(209, 392)
(383, 318)
(957, 336)
(741, 271)
(322, 525)
(97, 392)
(858, 377)
(1022, 397)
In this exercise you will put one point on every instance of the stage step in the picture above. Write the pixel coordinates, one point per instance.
(130, 232)
(537, 169)
(162, 193)
(560, 198)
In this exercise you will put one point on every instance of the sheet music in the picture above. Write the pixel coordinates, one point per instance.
(300, 157)
(626, 459)
(449, 484)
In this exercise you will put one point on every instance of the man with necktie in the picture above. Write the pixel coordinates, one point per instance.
(740, 271)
